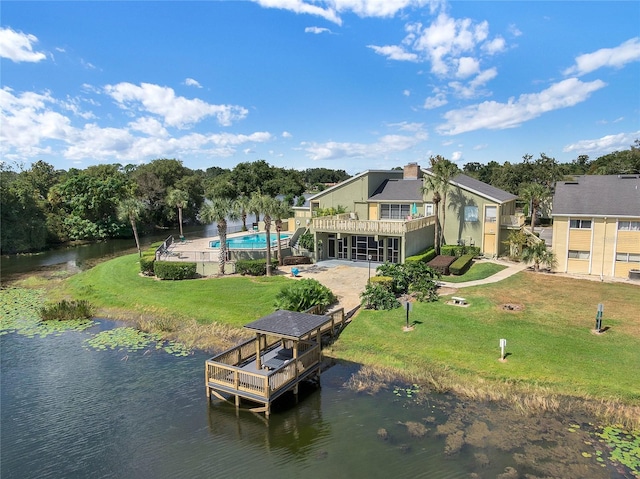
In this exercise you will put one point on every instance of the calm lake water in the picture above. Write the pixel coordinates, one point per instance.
(70, 411)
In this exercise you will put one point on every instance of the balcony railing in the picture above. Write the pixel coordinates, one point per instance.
(345, 224)
(512, 221)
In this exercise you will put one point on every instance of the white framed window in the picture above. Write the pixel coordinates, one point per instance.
(628, 257)
(628, 225)
(394, 211)
(575, 254)
(490, 214)
(580, 224)
(471, 213)
(428, 209)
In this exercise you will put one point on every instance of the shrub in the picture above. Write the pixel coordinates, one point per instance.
(424, 257)
(441, 263)
(424, 290)
(459, 250)
(306, 241)
(67, 310)
(148, 258)
(255, 267)
(414, 276)
(461, 265)
(174, 270)
(378, 296)
(385, 281)
(303, 294)
(293, 260)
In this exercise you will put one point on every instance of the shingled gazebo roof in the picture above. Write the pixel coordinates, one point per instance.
(287, 324)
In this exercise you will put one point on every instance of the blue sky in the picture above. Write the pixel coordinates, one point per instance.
(340, 84)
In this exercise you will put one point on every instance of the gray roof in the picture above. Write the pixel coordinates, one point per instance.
(289, 324)
(480, 188)
(598, 195)
(398, 190)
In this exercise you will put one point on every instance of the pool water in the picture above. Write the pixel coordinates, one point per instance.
(251, 241)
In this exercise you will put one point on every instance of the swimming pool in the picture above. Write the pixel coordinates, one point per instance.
(251, 241)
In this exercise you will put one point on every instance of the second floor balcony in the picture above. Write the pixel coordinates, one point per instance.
(347, 223)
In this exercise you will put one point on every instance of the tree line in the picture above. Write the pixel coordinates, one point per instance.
(42, 206)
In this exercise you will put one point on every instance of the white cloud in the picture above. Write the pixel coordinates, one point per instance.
(408, 126)
(299, 6)
(473, 88)
(406, 92)
(177, 111)
(31, 128)
(606, 144)
(494, 46)
(481, 146)
(495, 116)
(18, 46)
(192, 82)
(385, 145)
(286, 134)
(438, 100)
(467, 66)
(317, 30)
(456, 156)
(617, 57)
(394, 52)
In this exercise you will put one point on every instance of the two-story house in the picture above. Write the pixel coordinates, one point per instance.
(596, 225)
(390, 216)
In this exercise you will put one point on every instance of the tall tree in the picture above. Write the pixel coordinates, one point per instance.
(537, 253)
(281, 211)
(220, 210)
(178, 199)
(445, 170)
(130, 209)
(267, 205)
(534, 194)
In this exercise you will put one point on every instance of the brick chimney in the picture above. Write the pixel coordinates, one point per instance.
(411, 171)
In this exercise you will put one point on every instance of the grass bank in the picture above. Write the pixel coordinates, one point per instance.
(477, 271)
(554, 359)
(552, 351)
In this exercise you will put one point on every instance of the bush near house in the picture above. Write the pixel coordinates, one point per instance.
(147, 259)
(462, 264)
(174, 270)
(459, 250)
(426, 256)
(304, 294)
(255, 267)
(441, 263)
(293, 260)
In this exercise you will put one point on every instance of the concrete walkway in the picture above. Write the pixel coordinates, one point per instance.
(511, 269)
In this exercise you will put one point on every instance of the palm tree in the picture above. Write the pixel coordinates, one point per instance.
(130, 209)
(219, 210)
(534, 194)
(266, 205)
(445, 171)
(537, 253)
(178, 199)
(282, 210)
(244, 203)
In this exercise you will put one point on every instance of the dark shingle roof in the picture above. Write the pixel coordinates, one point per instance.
(480, 188)
(289, 324)
(598, 195)
(398, 190)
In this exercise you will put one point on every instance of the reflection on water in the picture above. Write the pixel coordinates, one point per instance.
(70, 411)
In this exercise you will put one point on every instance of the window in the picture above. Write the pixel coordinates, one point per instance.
(490, 214)
(628, 257)
(471, 213)
(394, 212)
(580, 224)
(629, 225)
(428, 209)
(574, 254)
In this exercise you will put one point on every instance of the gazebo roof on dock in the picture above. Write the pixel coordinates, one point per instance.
(288, 324)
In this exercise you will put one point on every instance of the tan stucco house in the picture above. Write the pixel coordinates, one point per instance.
(596, 225)
(389, 217)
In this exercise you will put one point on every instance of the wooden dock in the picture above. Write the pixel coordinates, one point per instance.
(287, 349)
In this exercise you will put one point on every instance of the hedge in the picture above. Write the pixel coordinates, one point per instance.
(459, 250)
(174, 270)
(461, 265)
(426, 256)
(255, 267)
(147, 259)
(441, 263)
(386, 281)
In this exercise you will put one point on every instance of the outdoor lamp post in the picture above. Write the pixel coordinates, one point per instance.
(369, 257)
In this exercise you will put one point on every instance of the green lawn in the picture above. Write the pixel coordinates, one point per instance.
(549, 342)
(477, 271)
(115, 286)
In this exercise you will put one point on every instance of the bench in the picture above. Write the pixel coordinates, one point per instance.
(458, 300)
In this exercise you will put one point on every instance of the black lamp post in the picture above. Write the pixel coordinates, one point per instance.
(369, 257)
